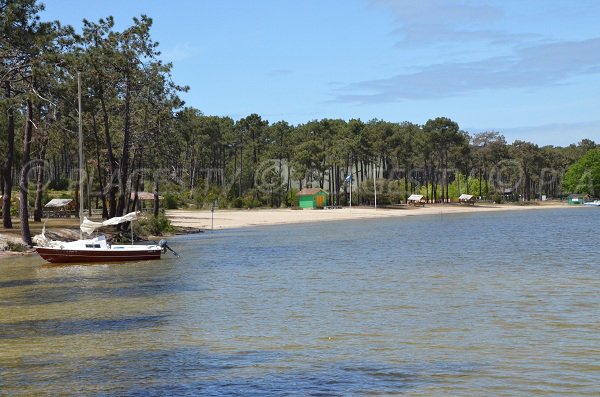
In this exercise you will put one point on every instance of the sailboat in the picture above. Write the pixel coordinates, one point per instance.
(96, 249)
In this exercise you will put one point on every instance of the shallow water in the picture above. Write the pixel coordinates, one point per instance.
(462, 305)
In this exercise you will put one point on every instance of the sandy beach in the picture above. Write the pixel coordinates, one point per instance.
(228, 219)
(231, 219)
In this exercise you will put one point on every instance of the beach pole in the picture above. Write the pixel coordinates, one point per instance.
(350, 190)
(212, 214)
(374, 186)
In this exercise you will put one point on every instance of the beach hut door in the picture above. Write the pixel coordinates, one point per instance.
(319, 200)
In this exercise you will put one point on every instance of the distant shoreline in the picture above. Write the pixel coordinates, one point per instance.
(236, 219)
(233, 219)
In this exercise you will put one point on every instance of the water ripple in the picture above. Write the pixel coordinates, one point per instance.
(476, 304)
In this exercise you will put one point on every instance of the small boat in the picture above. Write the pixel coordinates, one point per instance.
(97, 249)
(595, 203)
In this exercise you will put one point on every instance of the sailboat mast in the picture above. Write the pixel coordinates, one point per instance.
(80, 157)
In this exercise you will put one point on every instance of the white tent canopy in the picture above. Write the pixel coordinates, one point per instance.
(89, 227)
(415, 197)
(465, 197)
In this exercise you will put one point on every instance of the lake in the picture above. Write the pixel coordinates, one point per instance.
(463, 305)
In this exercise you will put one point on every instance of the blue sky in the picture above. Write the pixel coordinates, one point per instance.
(528, 69)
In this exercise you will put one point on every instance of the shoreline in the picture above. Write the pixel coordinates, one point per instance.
(240, 218)
(234, 219)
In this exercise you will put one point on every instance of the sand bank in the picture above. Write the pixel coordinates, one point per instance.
(228, 219)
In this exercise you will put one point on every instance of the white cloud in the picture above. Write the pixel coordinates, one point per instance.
(428, 22)
(557, 134)
(180, 52)
(535, 66)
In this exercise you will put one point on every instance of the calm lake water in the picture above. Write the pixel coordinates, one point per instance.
(464, 305)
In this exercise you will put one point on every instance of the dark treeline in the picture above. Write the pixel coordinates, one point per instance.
(139, 136)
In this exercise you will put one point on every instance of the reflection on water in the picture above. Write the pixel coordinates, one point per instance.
(470, 305)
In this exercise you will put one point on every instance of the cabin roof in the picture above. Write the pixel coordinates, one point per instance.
(144, 196)
(310, 191)
(415, 197)
(55, 203)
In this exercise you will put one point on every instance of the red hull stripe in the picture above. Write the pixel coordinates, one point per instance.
(76, 256)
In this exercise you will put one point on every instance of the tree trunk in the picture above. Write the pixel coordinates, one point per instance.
(426, 182)
(8, 163)
(112, 201)
(406, 184)
(447, 179)
(480, 183)
(124, 169)
(156, 198)
(135, 205)
(23, 205)
(156, 174)
(98, 163)
(38, 213)
(486, 176)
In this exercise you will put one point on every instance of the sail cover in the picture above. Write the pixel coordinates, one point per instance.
(89, 227)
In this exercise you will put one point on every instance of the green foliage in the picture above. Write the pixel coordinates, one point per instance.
(206, 199)
(153, 226)
(244, 163)
(238, 202)
(172, 201)
(497, 198)
(291, 198)
(15, 247)
(250, 200)
(584, 175)
(59, 184)
(14, 207)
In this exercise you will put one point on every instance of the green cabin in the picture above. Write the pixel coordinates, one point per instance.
(577, 199)
(312, 198)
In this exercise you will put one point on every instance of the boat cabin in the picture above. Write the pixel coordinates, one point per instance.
(98, 242)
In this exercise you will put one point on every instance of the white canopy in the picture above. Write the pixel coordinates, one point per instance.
(55, 203)
(89, 227)
(415, 197)
(465, 197)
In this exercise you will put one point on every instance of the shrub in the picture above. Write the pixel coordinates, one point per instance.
(497, 198)
(171, 201)
(250, 200)
(59, 184)
(238, 202)
(15, 247)
(154, 226)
